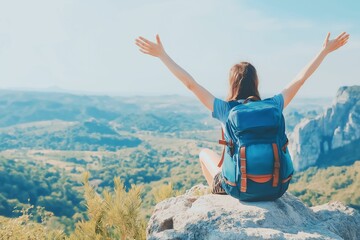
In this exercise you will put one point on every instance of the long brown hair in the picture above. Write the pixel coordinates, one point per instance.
(243, 82)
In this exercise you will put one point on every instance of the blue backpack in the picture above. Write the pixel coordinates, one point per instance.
(256, 163)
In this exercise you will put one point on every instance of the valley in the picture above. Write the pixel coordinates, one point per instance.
(48, 142)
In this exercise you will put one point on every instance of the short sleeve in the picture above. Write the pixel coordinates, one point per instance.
(279, 99)
(221, 110)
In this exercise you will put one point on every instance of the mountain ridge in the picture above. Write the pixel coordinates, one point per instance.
(314, 140)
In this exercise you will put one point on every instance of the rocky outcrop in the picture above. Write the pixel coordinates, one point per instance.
(209, 216)
(338, 127)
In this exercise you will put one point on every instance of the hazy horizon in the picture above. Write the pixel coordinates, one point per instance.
(187, 95)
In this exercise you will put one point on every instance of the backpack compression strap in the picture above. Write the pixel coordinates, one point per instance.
(243, 182)
(276, 165)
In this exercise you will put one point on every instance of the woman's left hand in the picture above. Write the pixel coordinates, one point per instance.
(333, 44)
(151, 48)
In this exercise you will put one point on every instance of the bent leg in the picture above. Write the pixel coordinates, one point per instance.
(209, 161)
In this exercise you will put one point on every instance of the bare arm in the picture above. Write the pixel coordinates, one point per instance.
(329, 45)
(157, 50)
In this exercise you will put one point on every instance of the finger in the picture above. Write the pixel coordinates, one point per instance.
(345, 40)
(143, 45)
(146, 52)
(345, 37)
(340, 44)
(139, 44)
(327, 37)
(145, 49)
(340, 35)
(142, 42)
(343, 43)
(146, 41)
(158, 39)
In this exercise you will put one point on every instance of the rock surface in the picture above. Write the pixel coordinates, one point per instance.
(338, 127)
(210, 216)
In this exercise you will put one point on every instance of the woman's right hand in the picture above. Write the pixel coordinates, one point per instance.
(151, 48)
(333, 44)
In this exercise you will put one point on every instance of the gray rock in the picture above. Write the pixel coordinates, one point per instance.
(341, 219)
(223, 217)
(336, 128)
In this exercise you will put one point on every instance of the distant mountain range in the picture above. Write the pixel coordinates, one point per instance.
(63, 121)
(23, 107)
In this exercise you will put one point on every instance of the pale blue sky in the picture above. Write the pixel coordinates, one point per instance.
(88, 46)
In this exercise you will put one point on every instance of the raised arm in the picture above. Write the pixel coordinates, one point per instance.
(157, 50)
(329, 45)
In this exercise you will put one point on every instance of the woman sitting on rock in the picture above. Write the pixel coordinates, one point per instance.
(244, 88)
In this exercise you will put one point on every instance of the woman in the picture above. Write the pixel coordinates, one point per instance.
(243, 82)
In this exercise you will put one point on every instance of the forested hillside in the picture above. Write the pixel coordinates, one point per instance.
(49, 140)
(316, 186)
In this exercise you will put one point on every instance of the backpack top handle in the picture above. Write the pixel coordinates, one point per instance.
(251, 98)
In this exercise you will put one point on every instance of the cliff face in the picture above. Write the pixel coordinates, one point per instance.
(331, 138)
(223, 217)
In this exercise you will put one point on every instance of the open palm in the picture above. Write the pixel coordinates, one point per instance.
(151, 48)
(333, 44)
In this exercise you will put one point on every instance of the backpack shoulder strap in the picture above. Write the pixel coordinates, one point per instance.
(222, 141)
(230, 144)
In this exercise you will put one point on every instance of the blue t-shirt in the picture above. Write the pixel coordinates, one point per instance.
(222, 108)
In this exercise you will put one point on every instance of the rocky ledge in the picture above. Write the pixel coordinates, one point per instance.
(194, 216)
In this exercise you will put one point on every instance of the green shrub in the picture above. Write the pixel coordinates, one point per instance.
(113, 215)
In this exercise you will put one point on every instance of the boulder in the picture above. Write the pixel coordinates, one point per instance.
(193, 216)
